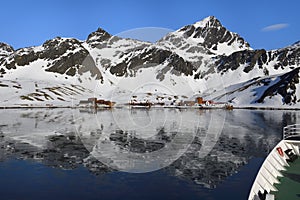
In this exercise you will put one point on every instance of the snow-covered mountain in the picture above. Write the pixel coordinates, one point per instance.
(201, 59)
(207, 36)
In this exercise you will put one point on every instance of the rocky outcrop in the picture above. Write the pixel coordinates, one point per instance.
(205, 37)
(289, 56)
(76, 62)
(247, 57)
(64, 55)
(286, 86)
(213, 33)
(153, 57)
(97, 37)
(282, 58)
(134, 61)
(5, 50)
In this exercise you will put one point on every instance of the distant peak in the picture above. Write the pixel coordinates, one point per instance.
(58, 41)
(6, 47)
(98, 35)
(212, 35)
(206, 23)
(102, 31)
(209, 21)
(209, 18)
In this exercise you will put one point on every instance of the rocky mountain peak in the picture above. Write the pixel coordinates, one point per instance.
(194, 30)
(98, 36)
(210, 21)
(5, 49)
(208, 33)
(213, 34)
(58, 46)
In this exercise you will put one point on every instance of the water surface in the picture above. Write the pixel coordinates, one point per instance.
(135, 154)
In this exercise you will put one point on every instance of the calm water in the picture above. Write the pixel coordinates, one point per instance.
(135, 154)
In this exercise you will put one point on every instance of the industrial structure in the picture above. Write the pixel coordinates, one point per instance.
(96, 103)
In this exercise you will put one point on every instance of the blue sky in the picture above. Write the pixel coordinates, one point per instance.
(264, 24)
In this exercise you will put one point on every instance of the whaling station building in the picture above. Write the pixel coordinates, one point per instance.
(96, 103)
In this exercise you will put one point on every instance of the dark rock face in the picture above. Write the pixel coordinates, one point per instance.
(150, 57)
(137, 61)
(213, 33)
(235, 60)
(71, 63)
(180, 66)
(286, 87)
(282, 57)
(286, 57)
(24, 57)
(56, 47)
(5, 49)
(97, 37)
(65, 56)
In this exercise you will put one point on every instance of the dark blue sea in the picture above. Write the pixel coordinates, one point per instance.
(135, 153)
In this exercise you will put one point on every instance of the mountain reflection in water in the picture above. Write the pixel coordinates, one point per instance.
(199, 151)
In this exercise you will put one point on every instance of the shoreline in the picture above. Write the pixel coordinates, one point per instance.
(153, 107)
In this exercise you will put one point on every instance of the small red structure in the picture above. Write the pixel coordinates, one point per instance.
(104, 102)
(199, 100)
(280, 152)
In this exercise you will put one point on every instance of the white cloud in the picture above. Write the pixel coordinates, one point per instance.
(275, 27)
(150, 34)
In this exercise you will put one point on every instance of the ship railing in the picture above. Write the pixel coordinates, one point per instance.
(291, 130)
